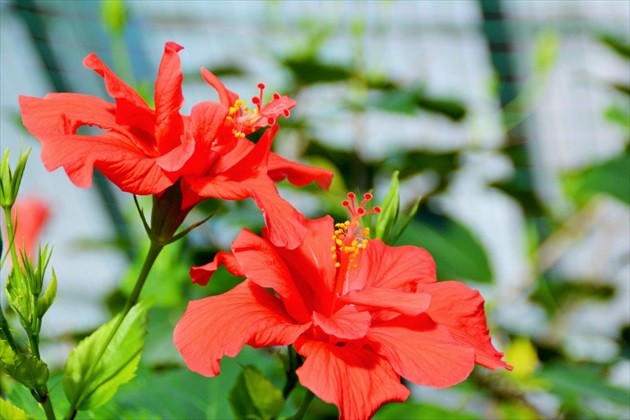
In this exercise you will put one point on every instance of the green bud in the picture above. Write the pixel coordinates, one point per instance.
(10, 181)
(389, 209)
(24, 288)
(20, 299)
(391, 222)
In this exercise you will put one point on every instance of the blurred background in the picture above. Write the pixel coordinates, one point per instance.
(510, 118)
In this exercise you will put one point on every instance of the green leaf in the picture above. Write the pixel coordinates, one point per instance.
(254, 396)
(389, 209)
(616, 44)
(45, 301)
(609, 177)
(24, 368)
(10, 411)
(457, 253)
(310, 70)
(92, 375)
(573, 380)
(417, 411)
(404, 219)
(408, 100)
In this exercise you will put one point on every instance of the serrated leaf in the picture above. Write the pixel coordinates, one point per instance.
(254, 396)
(45, 301)
(10, 411)
(89, 381)
(457, 253)
(389, 208)
(24, 368)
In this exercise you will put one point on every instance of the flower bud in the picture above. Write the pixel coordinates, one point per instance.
(10, 181)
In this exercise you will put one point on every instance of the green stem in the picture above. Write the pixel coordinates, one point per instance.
(4, 325)
(292, 379)
(11, 236)
(154, 251)
(41, 396)
(47, 406)
(304, 407)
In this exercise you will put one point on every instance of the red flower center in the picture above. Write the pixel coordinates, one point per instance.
(350, 238)
(246, 120)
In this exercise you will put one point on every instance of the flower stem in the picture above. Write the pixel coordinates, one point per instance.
(4, 325)
(154, 251)
(47, 406)
(41, 395)
(304, 407)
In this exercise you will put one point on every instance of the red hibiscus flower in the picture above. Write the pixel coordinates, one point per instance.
(226, 165)
(362, 319)
(29, 216)
(145, 151)
(140, 149)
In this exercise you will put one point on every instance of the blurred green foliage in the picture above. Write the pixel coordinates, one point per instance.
(164, 388)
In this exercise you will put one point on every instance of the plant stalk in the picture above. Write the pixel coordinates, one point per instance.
(154, 251)
(306, 402)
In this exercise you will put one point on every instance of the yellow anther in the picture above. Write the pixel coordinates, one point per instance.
(337, 264)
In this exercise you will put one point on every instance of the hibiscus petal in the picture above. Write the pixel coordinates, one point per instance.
(240, 165)
(221, 325)
(29, 216)
(347, 323)
(456, 306)
(399, 267)
(422, 351)
(64, 113)
(407, 303)
(311, 264)
(297, 174)
(201, 274)
(131, 109)
(125, 159)
(226, 96)
(169, 124)
(355, 379)
(262, 265)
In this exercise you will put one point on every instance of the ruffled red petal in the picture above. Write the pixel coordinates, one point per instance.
(406, 303)
(297, 174)
(460, 309)
(399, 267)
(422, 351)
(355, 379)
(201, 274)
(221, 325)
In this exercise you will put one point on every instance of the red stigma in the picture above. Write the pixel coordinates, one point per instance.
(261, 86)
(276, 96)
(356, 212)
